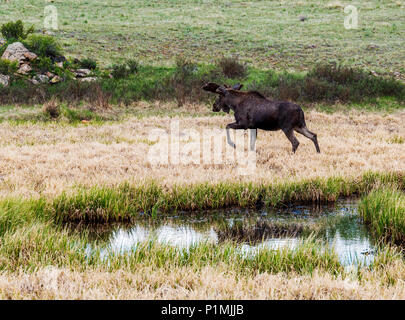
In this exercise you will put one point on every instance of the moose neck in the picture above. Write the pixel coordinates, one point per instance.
(234, 102)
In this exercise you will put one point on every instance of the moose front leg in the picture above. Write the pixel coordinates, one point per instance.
(234, 126)
(253, 138)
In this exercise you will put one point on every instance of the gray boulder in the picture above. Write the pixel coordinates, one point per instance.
(4, 80)
(41, 78)
(82, 73)
(17, 52)
(24, 68)
(88, 79)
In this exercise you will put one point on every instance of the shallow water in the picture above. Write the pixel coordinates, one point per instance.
(337, 225)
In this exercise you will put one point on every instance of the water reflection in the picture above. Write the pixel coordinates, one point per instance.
(337, 226)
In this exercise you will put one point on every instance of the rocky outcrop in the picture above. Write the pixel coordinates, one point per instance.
(17, 52)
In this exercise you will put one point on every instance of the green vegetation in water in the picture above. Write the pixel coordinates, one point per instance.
(126, 202)
(384, 212)
(40, 244)
(33, 234)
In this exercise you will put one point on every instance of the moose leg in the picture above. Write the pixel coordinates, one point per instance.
(235, 126)
(290, 135)
(310, 135)
(253, 138)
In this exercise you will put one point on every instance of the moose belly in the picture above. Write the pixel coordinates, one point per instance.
(269, 126)
(265, 124)
(265, 119)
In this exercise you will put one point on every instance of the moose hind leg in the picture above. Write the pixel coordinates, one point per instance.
(294, 141)
(310, 135)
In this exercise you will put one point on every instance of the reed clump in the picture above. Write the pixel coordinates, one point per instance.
(127, 202)
(384, 212)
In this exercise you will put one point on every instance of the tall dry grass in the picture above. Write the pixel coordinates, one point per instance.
(46, 159)
(185, 283)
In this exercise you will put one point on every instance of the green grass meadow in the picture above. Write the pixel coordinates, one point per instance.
(265, 34)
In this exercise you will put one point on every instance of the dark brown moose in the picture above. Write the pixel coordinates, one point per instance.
(254, 111)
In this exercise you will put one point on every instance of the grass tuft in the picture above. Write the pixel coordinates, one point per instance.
(384, 212)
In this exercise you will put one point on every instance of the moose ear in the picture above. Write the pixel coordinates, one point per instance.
(237, 86)
(222, 90)
(211, 87)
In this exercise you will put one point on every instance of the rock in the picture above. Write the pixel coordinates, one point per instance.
(55, 79)
(303, 18)
(88, 79)
(82, 73)
(34, 81)
(48, 33)
(49, 74)
(41, 78)
(30, 56)
(59, 65)
(4, 80)
(397, 74)
(24, 69)
(16, 52)
(372, 47)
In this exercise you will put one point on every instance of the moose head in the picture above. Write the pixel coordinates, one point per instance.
(223, 102)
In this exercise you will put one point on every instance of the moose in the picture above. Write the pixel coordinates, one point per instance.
(254, 111)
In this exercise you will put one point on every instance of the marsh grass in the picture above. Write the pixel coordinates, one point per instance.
(127, 201)
(41, 244)
(384, 212)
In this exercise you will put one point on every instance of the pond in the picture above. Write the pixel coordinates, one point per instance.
(336, 225)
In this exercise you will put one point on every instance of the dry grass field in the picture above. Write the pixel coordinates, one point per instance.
(185, 283)
(48, 158)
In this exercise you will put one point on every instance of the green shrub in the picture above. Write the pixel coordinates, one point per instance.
(232, 68)
(8, 67)
(124, 70)
(133, 66)
(43, 46)
(42, 64)
(120, 71)
(15, 30)
(52, 108)
(88, 63)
